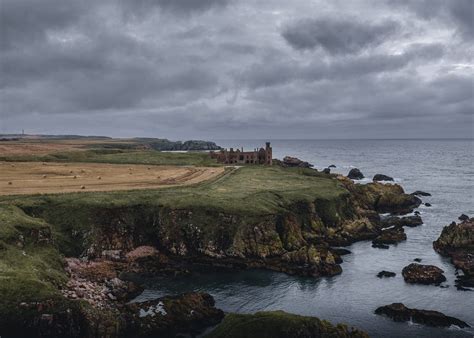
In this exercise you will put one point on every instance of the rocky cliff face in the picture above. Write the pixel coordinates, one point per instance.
(297, 239)
(149, 237)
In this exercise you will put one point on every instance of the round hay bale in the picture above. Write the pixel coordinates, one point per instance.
(83, 187)
(70, 171)
(75, 177)
(44, 176)
(99, 178)
(13, 165)
(82, 171)
(10, 183)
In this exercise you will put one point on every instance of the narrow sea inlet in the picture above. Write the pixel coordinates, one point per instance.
(443, 168)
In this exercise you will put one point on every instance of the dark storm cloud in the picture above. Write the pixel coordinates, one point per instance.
(336, 35)
(459, 13)
(207, 69)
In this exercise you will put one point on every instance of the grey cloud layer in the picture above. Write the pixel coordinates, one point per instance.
(220, 68)
(337, 36)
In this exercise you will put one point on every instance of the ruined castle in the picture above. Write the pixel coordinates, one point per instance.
(239, 156)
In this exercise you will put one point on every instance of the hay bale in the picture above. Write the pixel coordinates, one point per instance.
(44, 176)
(83, 187)
(99, 178)
(10, 183)
(75, 177)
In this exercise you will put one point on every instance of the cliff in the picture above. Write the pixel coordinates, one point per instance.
(275, 218)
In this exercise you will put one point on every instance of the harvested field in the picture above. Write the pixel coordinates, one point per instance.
(45, 178)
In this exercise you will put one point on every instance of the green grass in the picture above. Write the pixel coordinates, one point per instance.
(30, 269)
(252, 190)
(275, 324)
(117, 156)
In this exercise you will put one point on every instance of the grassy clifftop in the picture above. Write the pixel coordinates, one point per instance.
(251, 190)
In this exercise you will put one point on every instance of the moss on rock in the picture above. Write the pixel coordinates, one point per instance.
(275, 324)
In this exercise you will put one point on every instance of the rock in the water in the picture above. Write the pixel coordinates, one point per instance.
(391, 236)
(384, 273)
(409, 221)
(417, 260)
(279, 324)
(380, 246)
(400, 313)
(189, 313)
(427, 204)
(381, 177)
(420, 193)
(457, 241)
(326, 170)
(355, 174)
(423, 274)
(332, 166)
(289, 161)
(463, 217)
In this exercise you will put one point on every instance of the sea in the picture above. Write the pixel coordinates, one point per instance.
(442, 167)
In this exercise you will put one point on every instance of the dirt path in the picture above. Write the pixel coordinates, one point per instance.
(36, 177)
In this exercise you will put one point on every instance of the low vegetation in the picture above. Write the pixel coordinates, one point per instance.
(275, 324)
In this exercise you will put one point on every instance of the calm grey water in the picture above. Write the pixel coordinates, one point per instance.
(441, 167)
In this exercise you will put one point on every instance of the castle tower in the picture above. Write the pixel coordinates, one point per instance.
(269, 155)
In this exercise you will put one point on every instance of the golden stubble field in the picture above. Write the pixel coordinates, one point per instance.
(36, 177)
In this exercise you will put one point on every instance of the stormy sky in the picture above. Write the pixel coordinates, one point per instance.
(215, 69)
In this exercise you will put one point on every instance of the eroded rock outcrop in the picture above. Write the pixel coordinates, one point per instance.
(391, 236)
(423, 274)
(279, 324)
(289, 161)
(457, 242)
(186, 314)
(400, 313)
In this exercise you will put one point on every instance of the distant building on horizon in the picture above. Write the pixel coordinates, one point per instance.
(257, 156)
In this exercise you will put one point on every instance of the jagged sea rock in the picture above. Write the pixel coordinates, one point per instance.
(332, 166)
(409, 221)
(457, 242)
(279, 324)
(327, 170)
(463, 217)
(420, 193)
(186, 314)
(355, 174)
(381, 177)
(289, 161)
(400, 313)
(380, 246)
(391, 236)
(423, 274)
(384, 273)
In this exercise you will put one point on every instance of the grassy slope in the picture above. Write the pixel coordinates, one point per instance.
(30, 265)
(150, 157)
